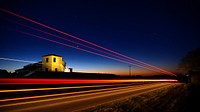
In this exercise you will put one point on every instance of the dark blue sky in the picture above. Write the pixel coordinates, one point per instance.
(157, 32)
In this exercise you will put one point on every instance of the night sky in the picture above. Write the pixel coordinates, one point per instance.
(159, 32)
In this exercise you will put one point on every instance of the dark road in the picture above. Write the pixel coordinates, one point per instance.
(77, 101)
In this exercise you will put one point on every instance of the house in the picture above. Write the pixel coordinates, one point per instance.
(30, 67)
(52, 62)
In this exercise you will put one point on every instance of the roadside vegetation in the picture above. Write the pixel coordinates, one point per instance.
(177, 98)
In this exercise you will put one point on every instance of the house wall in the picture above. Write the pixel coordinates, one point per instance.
(51, 65)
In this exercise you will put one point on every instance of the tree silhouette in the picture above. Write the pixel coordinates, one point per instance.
(191, 62)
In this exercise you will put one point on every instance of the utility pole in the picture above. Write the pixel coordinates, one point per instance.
(130, 70)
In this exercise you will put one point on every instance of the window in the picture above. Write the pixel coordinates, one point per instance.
(56, 69)
(54, 59)
(47, 59)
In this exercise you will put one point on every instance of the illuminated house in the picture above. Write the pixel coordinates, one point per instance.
(53, 63)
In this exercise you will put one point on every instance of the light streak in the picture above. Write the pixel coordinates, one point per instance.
(106, 91)
(67, 39)
(5, 81)
(61, 94)
(64, 33)
(11, 59)
(137, 64)
(131, 61)
(52, 99)
(87, 51)
(57, 88)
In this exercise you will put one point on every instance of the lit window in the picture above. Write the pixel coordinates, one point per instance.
(47, 59)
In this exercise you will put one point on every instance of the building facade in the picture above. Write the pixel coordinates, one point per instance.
(53, 63)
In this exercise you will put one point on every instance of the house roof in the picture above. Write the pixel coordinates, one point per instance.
(51, 55)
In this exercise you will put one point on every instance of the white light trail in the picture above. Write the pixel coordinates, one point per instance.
(11, 59)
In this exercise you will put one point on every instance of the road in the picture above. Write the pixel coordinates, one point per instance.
(75, 101)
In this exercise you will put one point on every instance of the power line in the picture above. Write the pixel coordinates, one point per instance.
(129, 69)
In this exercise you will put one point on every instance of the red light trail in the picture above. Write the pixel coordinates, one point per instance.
(7, 81)
(66, 39)
(127, 60)
(145, 65)
(87, 51)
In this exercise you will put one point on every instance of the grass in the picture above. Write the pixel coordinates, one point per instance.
(170, 99)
